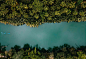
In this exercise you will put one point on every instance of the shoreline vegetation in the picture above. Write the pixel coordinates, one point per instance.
(28, 52)
(36, 12)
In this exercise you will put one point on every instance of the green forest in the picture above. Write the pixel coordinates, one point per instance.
(28, 52)
(36, 12)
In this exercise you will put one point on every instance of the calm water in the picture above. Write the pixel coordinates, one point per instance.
(46, 35)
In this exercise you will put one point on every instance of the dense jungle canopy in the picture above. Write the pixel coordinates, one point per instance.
(35, 12)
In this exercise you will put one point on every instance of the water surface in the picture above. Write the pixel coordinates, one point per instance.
(46, 35)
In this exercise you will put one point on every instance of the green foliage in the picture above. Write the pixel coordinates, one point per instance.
(82, 13)
(57, 13)
(62, 52)
(33, 55)
(46, 8)
(80, 54)
(49, 18)
(75, 13)
(18, 7)
(83, 4)
(71, 5)
(43, 57)
(46, 14)
(18, 55)
(42, 10)
(69, 12)
(45, 2)
(51, 2)
(37, 5)
(30, 5)
(65, 10)
(11, 52)
(58, 7)
(25, 15)
(31, 13)
(14, 13)
(79, 1)
(53, 8)
(63, 4)
(25, 1)
(36, 16)
(12, 3)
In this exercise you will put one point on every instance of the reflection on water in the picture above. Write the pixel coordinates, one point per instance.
(4, 33)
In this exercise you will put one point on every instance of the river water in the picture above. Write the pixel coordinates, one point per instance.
(46, 35)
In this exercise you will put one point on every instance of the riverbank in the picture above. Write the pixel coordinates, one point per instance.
(51, 53)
